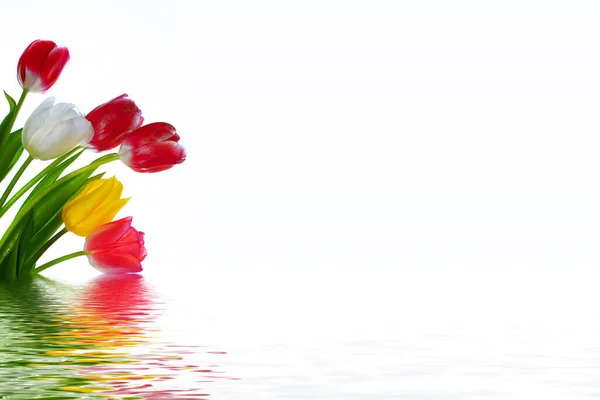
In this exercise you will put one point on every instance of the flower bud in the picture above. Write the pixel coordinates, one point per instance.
(152, 148)
(40, 65)
(112, 121)
(52, 130)
(116, 248)
(97, 204)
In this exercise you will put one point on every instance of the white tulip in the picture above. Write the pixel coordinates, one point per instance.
(53, 130)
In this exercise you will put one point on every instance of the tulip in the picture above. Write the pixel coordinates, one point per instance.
(97, 204)
(112, 121)
(40, 65)
(54, 129)
(116, 248)
(152, 148)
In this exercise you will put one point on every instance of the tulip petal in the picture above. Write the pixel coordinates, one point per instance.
(100, 216)
(54, 64)
(89, 188)
(61, 111)
(54, 129)
(160, 157)
(132, 243)
(41, 64)
(32, 125)
(32, 61)
(142, 253)
(107, 234)
(96, 205)
(115, 263)
(152, 133)
(116, 248)
(62, 137)
(112, 121)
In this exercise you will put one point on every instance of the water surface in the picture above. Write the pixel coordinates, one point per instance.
(97, 340)
(313, 333)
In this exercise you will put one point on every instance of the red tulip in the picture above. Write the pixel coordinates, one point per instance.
(112, 121)
(116, 248)
(152, 148)
(40, 65)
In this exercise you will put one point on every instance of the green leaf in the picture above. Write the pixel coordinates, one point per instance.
(16, 157)
(93, 178)
(12, 104)
(24, 244)
(5, 127)
(11, 153)
(6, 272)
(11, 262)
(50, 178)
(54, 201)
(47, 208)
(43, 235)
(58, 212)
(10, 254)
(5, 267)
(51, 227)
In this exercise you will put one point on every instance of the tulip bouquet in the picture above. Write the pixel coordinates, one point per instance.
(55, 201)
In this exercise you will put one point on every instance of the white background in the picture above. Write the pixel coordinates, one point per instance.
(402, 151)
(336, 130)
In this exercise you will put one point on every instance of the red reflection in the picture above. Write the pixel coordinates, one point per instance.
(116, 318)
(124, 298)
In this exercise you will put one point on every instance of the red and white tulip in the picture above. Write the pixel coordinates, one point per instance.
(40, 65)
(152, 148)
(112, 121)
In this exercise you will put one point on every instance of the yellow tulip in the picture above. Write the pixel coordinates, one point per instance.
(96, 205)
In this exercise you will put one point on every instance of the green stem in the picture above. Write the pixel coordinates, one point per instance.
(57, 261)
(34, 180)
(18, 107)
(33, 202)
(14, 181)
(47, 245)
(4, 135)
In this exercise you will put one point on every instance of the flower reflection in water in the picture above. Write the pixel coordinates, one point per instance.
(101, 339)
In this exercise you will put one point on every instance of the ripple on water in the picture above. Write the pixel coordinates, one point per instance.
(99, 340)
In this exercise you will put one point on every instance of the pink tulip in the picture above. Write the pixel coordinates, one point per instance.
(116, 248)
